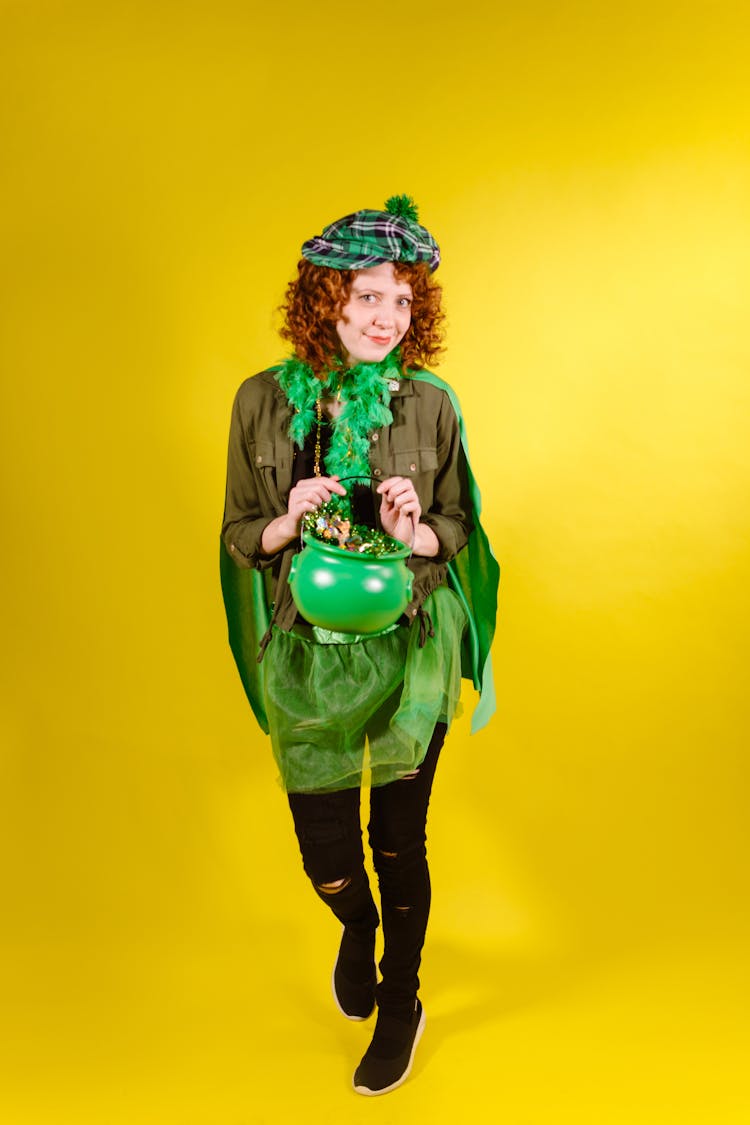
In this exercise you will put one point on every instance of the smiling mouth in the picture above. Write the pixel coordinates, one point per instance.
(379, 339)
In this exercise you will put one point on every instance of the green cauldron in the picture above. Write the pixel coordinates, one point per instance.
(349, 592)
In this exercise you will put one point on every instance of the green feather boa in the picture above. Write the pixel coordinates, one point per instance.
(365, 395)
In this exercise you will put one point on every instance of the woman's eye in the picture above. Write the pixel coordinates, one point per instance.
(404, 302)
(368, 298)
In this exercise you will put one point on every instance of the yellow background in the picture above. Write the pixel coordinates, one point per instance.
(586, 171)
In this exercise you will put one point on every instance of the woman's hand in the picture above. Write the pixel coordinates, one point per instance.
(399, 507)
(400, 510)
(306, 496)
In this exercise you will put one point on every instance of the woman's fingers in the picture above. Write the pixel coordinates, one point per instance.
(399, 492)
(399, 497)
(400, 506)
(396, 486)
(320, 486)
(310, 493)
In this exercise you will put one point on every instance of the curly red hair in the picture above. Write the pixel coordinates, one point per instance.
(315, 298)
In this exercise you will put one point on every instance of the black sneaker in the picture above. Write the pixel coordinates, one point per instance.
(387, 1061)
(353, 980)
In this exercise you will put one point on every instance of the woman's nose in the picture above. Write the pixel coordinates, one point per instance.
(384, 317)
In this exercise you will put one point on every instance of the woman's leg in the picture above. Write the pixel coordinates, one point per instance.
(397, 830)
(398, 816)
(330, 839)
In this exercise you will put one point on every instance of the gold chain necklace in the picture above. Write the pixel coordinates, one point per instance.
(319, 412)
(319, 417)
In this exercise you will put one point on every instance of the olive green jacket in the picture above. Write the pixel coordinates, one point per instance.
(425, 442)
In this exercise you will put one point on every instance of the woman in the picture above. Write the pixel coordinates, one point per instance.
(353, 415)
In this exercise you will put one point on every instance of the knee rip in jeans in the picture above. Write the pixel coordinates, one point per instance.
(403, 910)
(335, 887)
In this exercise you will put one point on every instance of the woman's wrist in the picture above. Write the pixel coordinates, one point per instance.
(278, 533)
(426, 542)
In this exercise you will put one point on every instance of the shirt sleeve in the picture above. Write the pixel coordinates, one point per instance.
(449, 511)
(245, 518)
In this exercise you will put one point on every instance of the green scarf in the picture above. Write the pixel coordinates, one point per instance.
(365, 392)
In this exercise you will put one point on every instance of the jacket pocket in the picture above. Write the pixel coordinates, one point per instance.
(262, 454)
(264, 463)
(408, 462)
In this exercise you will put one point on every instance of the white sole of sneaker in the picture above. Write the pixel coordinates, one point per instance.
(394, 1085)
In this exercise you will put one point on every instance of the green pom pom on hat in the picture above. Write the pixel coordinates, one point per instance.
(367, 238)
(402, 205)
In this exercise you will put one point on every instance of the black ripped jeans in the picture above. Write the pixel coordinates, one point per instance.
(330, 839)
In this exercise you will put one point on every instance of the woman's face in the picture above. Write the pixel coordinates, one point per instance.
(376, 316)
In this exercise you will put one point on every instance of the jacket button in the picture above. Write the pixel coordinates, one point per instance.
(232, 547)
(258, 460)
(375, 437)
(376, 472)
(413, 467)
(414, 613)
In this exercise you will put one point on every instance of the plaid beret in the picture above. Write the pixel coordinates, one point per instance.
(368, 238)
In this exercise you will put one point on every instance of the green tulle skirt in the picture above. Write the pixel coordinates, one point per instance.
(338, 708)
